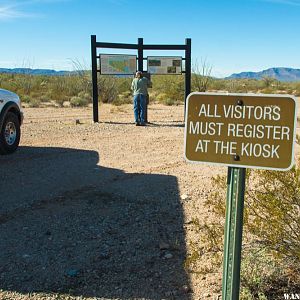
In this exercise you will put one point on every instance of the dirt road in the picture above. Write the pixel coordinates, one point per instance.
(98, 211)
(101, 210)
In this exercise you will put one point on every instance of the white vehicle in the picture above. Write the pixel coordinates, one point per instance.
(11, 118)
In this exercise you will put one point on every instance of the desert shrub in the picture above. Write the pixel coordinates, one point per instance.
(34, 102)
(174, 88)
(170, 102)
(60, 100)
(127, 94)
(217, 84)
(269, 81)
(164, 99)
(170, 85)
(271, 229)
(274, 204)
(83, 80)
(153, 96)
(82, 99)
(259, 274)
(85, 95)
(231, 85)
(26, 99)
(44, 98)
(247, 85)
(123, 85)
(267, 90)
(296, 88)
(200, 83)
(166, 89)
(161, 97)
(201, 76)
(107, 89)
(124, 98)
(77, 101)
(281, 86)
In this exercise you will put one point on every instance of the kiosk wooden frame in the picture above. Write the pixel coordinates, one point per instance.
(140, 47)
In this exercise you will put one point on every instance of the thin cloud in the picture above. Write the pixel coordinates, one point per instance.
(16, 10)
(11, 12)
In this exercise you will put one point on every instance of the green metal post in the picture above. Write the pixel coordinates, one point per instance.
(233, 233)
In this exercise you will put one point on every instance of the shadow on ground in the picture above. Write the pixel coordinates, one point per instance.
(70, 226)
(149, 124)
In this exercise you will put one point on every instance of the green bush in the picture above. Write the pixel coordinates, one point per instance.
(167, 89)
(26, 99)
(127, 94)
(200, 83)
(107, 89)
(161, 97)
(60, 99)
(170, 102)
(274, 207)
(34, 102)
(271, 260)
(124, 98)
(267, 90)
(259, 272)
(123, 85)
(81, 100)
(85, 95)
(170, 85)
(77, 101)
(217, 84)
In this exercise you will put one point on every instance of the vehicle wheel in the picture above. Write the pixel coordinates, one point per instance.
(10, 134)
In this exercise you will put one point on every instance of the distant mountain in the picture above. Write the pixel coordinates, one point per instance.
(29, 71)
(281, 74)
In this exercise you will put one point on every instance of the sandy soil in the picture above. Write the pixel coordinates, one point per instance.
(102, 210)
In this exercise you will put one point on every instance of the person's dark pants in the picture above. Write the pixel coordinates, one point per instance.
(139, 107)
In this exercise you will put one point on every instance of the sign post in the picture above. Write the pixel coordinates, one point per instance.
(233, 233)
(239, 131)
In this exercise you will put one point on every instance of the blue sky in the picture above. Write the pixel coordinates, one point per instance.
(232, 36)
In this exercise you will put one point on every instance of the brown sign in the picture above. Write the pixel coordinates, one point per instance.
(241, 130)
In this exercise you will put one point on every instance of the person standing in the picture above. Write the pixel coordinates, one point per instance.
(139, 87)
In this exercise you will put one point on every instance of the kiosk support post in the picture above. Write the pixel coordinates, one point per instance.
(188, 68)
(94, 78)
(141, 68)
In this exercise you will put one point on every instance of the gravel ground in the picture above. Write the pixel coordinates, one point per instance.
(101, 211)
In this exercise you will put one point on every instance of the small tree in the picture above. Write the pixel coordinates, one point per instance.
(107, 88)
(270, 82)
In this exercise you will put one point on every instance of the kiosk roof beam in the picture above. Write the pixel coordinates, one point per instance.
(116, 45)
(135, 46)
(164, 47)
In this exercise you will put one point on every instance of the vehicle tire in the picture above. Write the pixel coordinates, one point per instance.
(10, 134)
